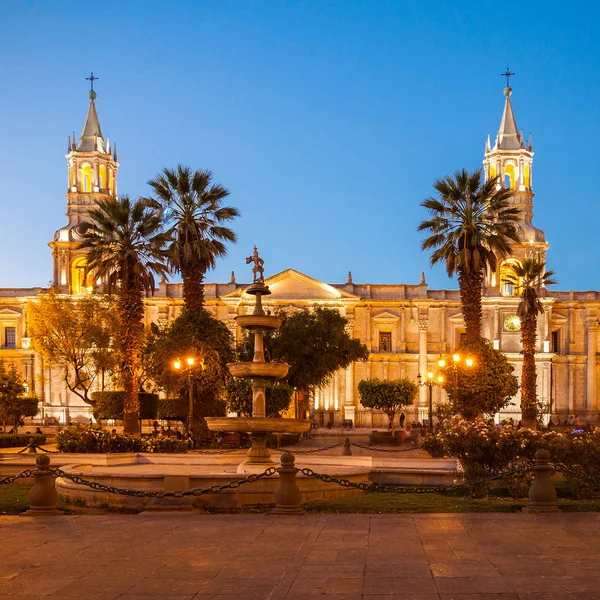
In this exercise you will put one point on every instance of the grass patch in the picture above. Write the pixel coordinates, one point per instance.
(13, 498)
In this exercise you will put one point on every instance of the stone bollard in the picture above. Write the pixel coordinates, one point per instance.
(287, 494)
(32, 446)
(42, 496)
(542, 494)
(347, 450)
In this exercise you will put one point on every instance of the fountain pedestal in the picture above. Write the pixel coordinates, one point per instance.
(258, 458)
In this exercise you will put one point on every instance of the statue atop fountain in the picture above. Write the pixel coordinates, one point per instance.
(259, 371)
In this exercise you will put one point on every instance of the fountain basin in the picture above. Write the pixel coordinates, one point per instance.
(258, 424)
(258, 321)
(258, 369)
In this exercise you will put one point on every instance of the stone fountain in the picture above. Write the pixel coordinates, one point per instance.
(258, 426)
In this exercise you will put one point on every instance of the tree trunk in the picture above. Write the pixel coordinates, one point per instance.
(193, 286)
(131, 310)
(529, 376)
(471, 285)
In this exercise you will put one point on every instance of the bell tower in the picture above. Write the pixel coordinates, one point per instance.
(92, 175)
(512, 160)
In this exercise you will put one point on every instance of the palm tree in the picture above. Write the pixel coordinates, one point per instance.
(471, 226)
(530, 278)
(195, 214)
(126, 247)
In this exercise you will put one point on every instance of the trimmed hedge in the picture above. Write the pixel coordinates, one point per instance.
(384, 438)
(109, 405)
(93, 439)
(20, 440)
(173, 409)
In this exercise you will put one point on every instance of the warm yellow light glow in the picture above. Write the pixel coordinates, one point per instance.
(469, 362)
(177, 364)
(430, 375)
(456, 358)
(442, 362)
(440, 378)
(190, 361)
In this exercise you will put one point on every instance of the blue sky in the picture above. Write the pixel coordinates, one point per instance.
(327, 120)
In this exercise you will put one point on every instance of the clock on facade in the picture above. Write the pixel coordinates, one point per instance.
(512, 323)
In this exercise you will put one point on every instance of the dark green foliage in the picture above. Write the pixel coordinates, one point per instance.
(13, 403)
(388, 396)
(239, 391)
(194, 333)
(94, 439)
(486, 387)
(314, 343)
(109, 405)
(20, 440)
(384, 438)
(172, 409)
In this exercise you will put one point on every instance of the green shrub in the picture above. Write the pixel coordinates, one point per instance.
(173, 409)
(384, 437)
(20, 440)
(109, 405)
(93, 439)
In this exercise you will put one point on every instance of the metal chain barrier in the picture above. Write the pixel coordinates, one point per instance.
(33, 447)
(12, 478)
(314, 451)
(577, 474)
(212, 452)
(215, 489)
(383, 449)
(373, 487)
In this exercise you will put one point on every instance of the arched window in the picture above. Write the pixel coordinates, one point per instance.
(526, 177)
(102, 181)
(509, 175)
(81, 280)
(508, 279)
(86, 177)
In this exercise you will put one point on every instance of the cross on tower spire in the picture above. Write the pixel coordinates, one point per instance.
(91, 79)
(508, 75)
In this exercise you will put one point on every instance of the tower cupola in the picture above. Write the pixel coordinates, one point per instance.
(92, 175)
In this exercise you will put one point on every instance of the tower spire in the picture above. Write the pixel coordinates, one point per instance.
(91, 137)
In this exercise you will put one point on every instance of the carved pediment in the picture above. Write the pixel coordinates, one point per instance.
(558, 321)
(386, 318)
(457, 320)
(10, 311)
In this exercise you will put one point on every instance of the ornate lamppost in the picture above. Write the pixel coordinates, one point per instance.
(430, 382)
(453, 367)
(178, 365)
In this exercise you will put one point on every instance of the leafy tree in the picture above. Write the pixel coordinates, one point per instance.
(472, 224)
(488, 385)
(196, 217)
(531, 278)
(278, 396)
(194, 333)
(77, 335)
(13, 403)
(109, 405)
(388, 396)
(125, 248)
(314, 343)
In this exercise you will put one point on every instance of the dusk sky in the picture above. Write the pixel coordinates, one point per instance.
(327, 120)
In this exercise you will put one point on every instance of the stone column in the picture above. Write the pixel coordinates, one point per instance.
(423, 327)
(592, 327)
(349, 406)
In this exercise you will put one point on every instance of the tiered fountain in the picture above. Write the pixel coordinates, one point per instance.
(258, 425)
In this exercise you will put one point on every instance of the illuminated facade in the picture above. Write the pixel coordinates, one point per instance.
(406, 327)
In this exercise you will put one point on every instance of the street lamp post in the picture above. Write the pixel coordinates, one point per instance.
(430, 382)
(178, 365)
(453, 366)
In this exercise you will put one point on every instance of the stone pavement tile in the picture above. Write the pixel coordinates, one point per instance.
(261, 570)
(156, 596)
(324, 571)
(245, 588)
(399, 570)
(388, 585)
(169, 586)
(491, 585)
(101, 581)
(308, 587)
(337, 585)
(90, 595)
(404, 595)
(461, 569)
(511, 596)
(454, 585)
(23, 585)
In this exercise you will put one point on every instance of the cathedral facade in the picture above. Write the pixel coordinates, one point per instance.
(406, 327)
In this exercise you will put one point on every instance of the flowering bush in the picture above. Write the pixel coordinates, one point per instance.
(483, 450)
(94, 439)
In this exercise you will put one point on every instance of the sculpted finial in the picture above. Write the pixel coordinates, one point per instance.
(258, 268)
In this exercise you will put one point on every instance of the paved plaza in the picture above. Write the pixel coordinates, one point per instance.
(338, 557)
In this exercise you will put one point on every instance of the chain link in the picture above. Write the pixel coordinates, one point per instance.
(577, 474)
(383, 449)
(374, 487)
(12, 478)
(315, 450)
(211, 452)
(215, 489)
